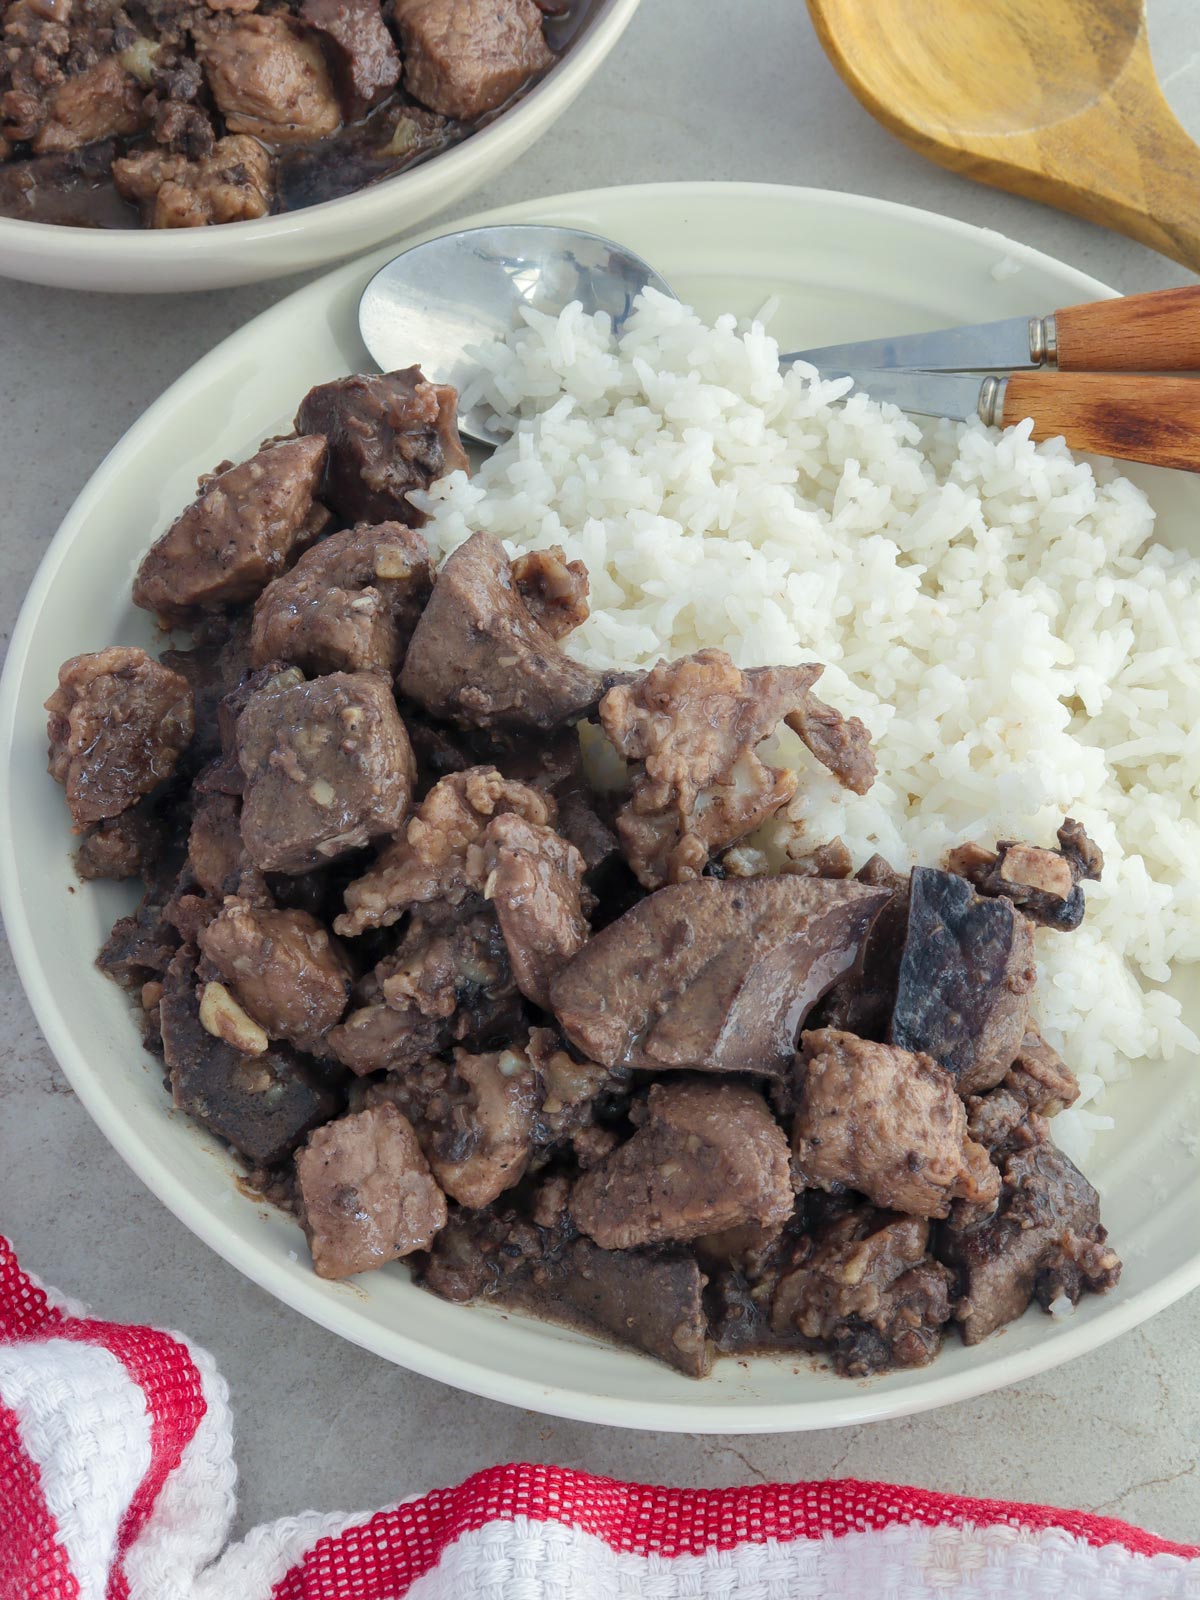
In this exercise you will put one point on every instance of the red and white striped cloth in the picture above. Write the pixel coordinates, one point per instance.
(117, 1478)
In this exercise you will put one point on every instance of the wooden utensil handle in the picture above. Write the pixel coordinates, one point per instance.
(1158, 332)
(1135, 419)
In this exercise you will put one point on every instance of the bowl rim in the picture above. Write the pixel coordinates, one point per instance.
(852, 1404)
(148, 248)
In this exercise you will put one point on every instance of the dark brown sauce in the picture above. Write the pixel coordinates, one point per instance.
(76, 190)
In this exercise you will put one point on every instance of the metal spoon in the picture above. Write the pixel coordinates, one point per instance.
(432, 302)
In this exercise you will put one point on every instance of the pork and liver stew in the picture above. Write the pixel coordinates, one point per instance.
(594, 1054)
(189, 113)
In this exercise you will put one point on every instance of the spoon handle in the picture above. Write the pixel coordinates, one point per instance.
(1158, 332)
(1149, 419)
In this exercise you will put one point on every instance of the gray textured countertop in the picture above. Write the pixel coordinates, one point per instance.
(697, 89)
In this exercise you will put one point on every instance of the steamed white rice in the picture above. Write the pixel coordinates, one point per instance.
(992, 609)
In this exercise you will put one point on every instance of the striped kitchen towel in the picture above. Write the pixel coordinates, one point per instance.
(117, 1483)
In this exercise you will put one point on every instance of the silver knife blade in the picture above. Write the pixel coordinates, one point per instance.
(1003, 346)
(929, 394)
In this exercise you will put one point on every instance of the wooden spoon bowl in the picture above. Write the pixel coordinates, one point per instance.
(1056, 100)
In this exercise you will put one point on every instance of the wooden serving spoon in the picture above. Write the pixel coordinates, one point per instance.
(1054, 99)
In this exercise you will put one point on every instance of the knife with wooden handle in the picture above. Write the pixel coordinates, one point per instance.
(1152, 419)
(1158, 332)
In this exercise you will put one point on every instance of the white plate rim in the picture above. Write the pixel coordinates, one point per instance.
(855, 1404)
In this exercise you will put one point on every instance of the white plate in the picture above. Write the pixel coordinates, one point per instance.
(842, 266)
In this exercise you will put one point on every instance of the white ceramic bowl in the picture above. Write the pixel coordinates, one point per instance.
(841, 266)
(141, 261)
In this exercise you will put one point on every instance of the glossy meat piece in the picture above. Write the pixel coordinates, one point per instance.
(366, 1194)
(993, 1118)
(545, 764)
(284, 968)
(102, 100)
(829, 860)
(446, 960)
(214, 666)
(466, 57)
(645, 1300)
(744, 1266)
(261, 1104)
(556, 768)
(572, 1092)
(843, 744)
(447, 981)
(649, 1300)
(388, 433)
(691, 728)
(216, 854)
(534, 881)
(507, 1113)
(1084, 854)
(480, 658)
(123, 846)
(1038, 1083)
(235, 537)
(965, 980)
(863, 1001)
(888, 1124)
(188, 911)
(141, 947)
(377, 1038)
(583, 819)
(1041, 1077)
(118, 724)
(328, 768)
(554, 589)
(750, 1246)
(706, 1156)
(232, 182)
(349, 604)
(441, 854)
(268, 79)
(366, 63)
(485, 1254)
(474, 1119)
(1045, 884)
(440, 751)
(183, 128)
(224, 775)
(1046, 1239)
(716, 976)
(868, 1293)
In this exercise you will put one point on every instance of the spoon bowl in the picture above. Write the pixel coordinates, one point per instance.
(437, 301)
(1059, 103)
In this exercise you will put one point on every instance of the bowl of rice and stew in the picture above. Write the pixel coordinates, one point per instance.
(681, 922)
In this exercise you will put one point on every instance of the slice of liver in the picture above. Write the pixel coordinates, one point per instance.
(717, 976)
